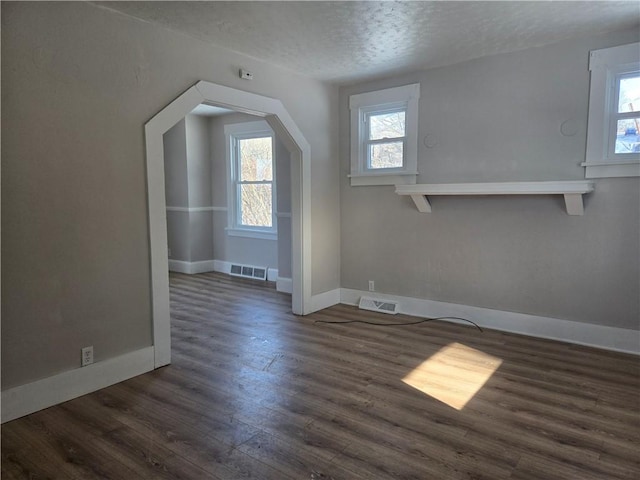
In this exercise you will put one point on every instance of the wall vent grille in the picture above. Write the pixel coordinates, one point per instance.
(248, 271)
(383, 306)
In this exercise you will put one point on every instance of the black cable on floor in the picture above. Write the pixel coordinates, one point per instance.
(424, 320)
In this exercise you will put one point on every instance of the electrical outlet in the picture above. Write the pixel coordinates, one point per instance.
(372, 286)
(87, 356)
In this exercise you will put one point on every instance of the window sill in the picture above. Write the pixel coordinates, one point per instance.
(383, 178)
(612, 169)
(255, 234)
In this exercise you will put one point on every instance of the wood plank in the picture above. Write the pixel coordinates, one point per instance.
(255, 392)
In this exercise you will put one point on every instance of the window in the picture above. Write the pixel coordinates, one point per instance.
(625, 119)
(385, 139)
(251, 180)
(613, 134)
(384, 136)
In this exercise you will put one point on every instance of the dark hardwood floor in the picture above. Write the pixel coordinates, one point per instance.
(255, 392)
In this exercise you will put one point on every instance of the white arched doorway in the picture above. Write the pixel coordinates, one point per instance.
(283, 125)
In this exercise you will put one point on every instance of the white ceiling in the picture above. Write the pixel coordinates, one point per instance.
(347, 41)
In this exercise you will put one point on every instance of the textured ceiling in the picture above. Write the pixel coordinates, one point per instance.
(345, 42)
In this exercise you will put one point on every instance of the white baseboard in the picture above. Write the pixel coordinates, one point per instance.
(191, 267)
(609, 338)
(325, 300)
(284, 285)
(179, 266)
(272, 274)
(29, 398)
(221, 266)
(201, 267)
(196, 209)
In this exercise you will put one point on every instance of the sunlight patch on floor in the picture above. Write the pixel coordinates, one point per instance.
(454, 374)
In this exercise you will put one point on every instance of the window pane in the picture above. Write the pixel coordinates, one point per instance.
(255, 205)
(386, 155)
(386, 125)
(629, 99)
(627, 139)
(255, 159)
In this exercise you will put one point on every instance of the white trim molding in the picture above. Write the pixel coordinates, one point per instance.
(190, 268)
(325, 299)
(390, 100)
(294, 141)
(611, 169)
(599, 336)
(31, 397)
(196, 209)
(272, 274)
(368, 179)
(284, 285)
(257, 234)
(222, 266)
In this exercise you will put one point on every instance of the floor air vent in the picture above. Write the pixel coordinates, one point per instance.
(248, 271)
(384, 306)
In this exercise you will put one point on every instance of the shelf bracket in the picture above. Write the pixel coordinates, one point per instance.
(422, 203)
(573, 202)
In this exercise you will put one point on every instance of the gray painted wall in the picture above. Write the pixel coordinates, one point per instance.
(199, 160)
(498, 119)
(75, 247)
(201, 236)
(178, 238)
(187, 169)
(177, 191)
(199, 172)
(174, 143)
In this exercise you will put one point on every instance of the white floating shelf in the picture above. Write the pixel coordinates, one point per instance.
(572, 191)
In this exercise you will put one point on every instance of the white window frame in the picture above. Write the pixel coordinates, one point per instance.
(233, 133)
(607, 66)
(364, 105)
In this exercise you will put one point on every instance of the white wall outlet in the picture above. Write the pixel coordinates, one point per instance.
(372, 286)
(87, 356)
